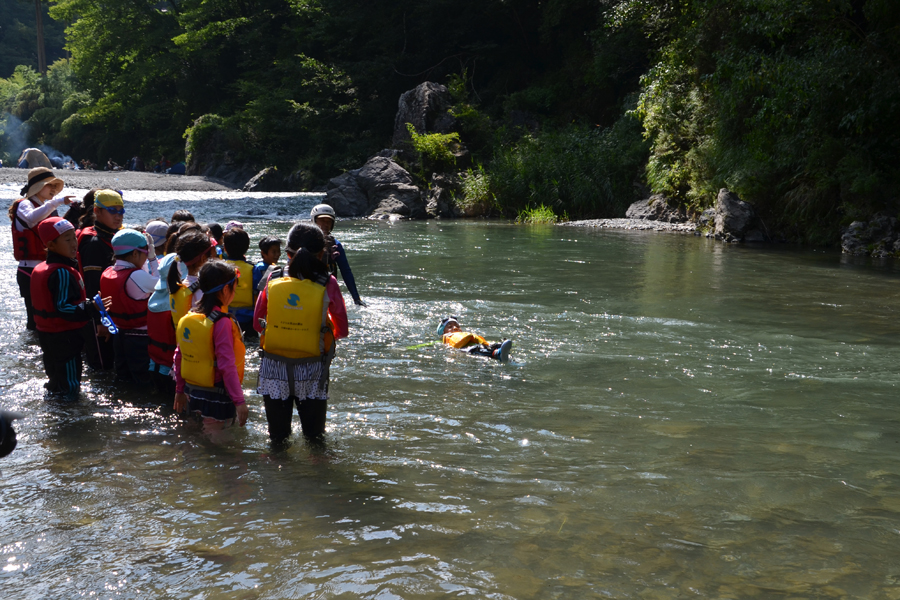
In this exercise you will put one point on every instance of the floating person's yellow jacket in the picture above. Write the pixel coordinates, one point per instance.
(461, 339)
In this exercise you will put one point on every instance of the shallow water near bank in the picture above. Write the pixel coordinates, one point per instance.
(679, 418)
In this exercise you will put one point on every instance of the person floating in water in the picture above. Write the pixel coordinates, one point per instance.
(452, 335)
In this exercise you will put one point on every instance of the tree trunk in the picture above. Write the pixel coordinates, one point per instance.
(39, 23)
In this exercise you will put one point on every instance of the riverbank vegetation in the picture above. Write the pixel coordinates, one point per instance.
(578, 106)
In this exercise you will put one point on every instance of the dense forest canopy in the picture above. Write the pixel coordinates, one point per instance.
(18, 36)
(577, 104)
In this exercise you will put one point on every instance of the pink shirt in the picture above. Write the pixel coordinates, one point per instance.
(226, 366)
(336, 309)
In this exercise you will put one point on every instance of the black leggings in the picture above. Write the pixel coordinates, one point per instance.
(23, 278)
(62, 360)
(132, 359)
(280, 412)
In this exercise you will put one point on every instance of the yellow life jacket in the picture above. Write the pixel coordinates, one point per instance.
(181, 301)
(243, 287)
(297, 324)
(461, 339)
(198, 354)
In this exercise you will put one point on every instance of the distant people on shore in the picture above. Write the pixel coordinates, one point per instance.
(136, 164)
(162, 165)
(112, 165)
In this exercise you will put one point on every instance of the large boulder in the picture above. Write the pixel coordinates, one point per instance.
(877, 237)
(427, 108)
(656, 208)
(736, 220)
(379, 188)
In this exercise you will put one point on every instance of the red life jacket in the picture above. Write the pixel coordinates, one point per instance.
(46, 317)
(161, 332)
(126, 312)
(27, 244)
(86, 234)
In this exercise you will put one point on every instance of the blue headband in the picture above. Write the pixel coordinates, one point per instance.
(220, 287)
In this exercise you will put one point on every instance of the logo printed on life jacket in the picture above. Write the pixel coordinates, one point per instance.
(293, 301)
(187, 334)
(173, 303)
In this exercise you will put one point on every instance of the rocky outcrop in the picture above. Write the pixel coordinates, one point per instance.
(656, 208)
(271, 179)
(878, 237)
(426, 107)
(441, 199)
(378, 189)
(736, 220)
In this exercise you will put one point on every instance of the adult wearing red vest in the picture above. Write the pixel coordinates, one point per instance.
(95, 254)
(26, 213)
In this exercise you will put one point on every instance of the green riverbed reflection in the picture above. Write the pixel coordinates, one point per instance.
(680, 418)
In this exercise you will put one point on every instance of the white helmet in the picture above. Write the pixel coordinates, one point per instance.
(321, 210)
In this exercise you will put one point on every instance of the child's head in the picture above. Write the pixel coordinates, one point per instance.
(87, 203)
(182, 216)
(109, 208)
(270, 249)
(236, 242)
(215, 230)
(130, 245)
(58, 235)
(305, 246)
(448, 325)
(193, 248)
(158, 230)
(176, 230)
(216, 279)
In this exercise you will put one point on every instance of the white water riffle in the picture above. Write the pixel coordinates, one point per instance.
(680, 418)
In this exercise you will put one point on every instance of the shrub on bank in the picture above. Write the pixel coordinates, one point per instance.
(581, 170)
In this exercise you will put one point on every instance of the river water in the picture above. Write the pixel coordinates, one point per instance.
(680, 418)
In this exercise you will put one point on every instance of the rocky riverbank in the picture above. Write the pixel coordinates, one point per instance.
(635, 224)
(124, 180)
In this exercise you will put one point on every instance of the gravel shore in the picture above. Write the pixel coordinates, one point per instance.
(123, 180)
(635, 224)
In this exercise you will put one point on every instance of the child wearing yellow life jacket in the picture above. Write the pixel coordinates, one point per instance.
(193, 249)
(299, 314)
(452, 335)
(209, 360)
(236, 242)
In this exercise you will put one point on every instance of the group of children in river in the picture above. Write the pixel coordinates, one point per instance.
(156, 305)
